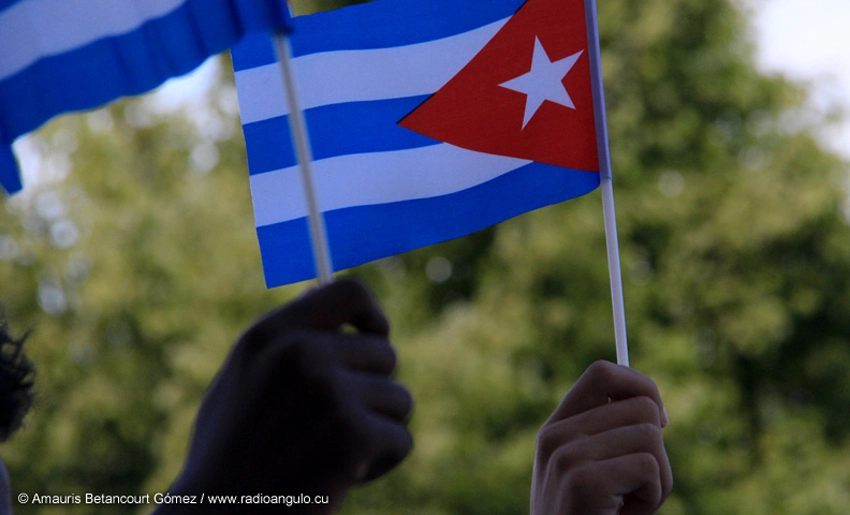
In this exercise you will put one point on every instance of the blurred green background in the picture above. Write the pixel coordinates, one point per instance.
(135, 264)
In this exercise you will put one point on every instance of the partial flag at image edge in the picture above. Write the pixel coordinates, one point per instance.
(60, 56)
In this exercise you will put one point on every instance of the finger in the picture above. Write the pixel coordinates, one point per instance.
(391, 443)
(318, 353)
(622, 441)
(346, 301)
(361, 353)
(632, 479)
(630, 412)
(602, 382)
(357, 366)
(381, 396)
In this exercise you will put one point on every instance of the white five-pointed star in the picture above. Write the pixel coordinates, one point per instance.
(543, 82)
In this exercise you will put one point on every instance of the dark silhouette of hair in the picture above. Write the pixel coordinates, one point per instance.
(17, 374)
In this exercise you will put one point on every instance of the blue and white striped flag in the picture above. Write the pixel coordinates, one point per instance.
(68, 55)
(429, 120)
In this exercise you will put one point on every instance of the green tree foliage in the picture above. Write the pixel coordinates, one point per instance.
(139, 266)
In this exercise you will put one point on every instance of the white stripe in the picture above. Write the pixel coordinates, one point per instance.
(378, 178)
(361, 75)
(32, 29)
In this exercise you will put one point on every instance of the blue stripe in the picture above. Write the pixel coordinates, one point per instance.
(5, 4)
(380, 24)
(253, 51)
(128, 64)
(399, 227)
(9, 178)
(269, 145)
(335, 130)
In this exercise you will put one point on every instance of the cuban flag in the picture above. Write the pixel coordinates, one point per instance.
(429, 120)
(69, 55)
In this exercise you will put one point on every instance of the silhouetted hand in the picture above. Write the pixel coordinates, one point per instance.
(601, 452)
(302, 406)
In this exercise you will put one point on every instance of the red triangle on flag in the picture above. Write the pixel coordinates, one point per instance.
(501, 103)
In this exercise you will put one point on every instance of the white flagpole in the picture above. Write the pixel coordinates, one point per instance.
(607, 185)
(301, 140)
